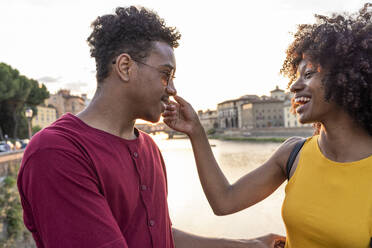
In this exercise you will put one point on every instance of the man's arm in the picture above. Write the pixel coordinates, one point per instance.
(187, 240)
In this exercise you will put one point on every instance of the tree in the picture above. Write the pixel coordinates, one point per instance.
(17, 92)
(36, 129)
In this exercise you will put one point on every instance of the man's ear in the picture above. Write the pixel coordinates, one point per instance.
(123, 66)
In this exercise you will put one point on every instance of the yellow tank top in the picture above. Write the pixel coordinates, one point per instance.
(328, 204)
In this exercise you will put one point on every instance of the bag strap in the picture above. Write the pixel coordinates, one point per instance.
(293, 155)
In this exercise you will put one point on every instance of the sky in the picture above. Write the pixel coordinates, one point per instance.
(228, 48)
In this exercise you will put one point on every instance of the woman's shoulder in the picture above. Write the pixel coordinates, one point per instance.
(283, 152)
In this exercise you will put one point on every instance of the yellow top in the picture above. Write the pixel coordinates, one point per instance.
(328, 204)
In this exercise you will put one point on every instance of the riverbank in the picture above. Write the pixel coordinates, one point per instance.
(273, 134)
(250, 139)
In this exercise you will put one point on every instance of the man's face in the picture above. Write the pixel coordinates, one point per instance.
(154, 82)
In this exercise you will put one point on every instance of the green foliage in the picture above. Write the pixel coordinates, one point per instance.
(9, 182)
(11, 209)
(211, 131)
(36, 129)
(17, 92)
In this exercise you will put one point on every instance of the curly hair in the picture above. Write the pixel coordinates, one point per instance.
(342, 44)
(131, 30)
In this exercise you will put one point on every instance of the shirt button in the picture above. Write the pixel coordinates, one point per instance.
(143, 187)
(135, 154)
(151, 222)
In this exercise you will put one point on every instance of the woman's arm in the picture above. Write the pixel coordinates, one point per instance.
(226, 198)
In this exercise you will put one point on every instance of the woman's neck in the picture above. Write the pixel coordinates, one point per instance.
(343, 140)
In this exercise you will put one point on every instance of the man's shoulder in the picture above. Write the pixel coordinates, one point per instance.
(61, 135)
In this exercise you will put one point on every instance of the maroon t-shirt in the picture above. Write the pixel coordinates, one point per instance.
(82, 187)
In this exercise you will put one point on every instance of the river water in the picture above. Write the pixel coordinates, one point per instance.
(189, 208)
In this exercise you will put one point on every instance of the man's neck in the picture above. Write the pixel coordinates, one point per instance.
(106, 114)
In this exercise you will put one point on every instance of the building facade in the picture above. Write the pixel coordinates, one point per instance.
(227, 114)
(45, 116)
(230, 112)
(278, 94)
(251, 111)
(248, 121)
(64, 102)
(268, 113)
(208, 119)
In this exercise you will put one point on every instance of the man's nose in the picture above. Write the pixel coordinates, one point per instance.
(171, 90)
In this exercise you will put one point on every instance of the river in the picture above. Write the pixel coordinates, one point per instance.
(189, 208)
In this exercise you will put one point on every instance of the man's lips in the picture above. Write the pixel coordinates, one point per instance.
(164, 102)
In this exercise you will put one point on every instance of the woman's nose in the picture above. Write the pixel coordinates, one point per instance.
(297, 86)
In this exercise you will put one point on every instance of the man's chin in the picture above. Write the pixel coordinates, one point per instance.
(152, 119)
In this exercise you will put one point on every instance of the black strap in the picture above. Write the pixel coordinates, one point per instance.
(293, 155)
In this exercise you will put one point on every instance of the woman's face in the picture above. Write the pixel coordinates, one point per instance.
(309, 100)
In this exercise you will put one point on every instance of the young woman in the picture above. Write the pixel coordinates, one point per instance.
(328, 199)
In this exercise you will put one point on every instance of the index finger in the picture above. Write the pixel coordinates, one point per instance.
(180, 100)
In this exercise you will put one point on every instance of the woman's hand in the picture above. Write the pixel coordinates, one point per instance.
(181, 117)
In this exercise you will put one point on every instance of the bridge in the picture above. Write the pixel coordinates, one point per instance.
(157, 128)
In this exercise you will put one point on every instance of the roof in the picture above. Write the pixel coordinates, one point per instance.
(277, 89)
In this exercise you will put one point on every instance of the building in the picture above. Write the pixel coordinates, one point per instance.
(230, 111)
(86, 99)
(64, 102)
(248, 121)
(45, 116)
(251, 111)
(227, 114)
(278, 94)
(268, 113)
(208, 119)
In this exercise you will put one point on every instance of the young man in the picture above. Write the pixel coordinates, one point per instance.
(93, 180)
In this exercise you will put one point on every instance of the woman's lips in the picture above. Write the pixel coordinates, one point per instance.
(302, 107)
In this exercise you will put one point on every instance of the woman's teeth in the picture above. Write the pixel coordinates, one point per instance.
(302, 100)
